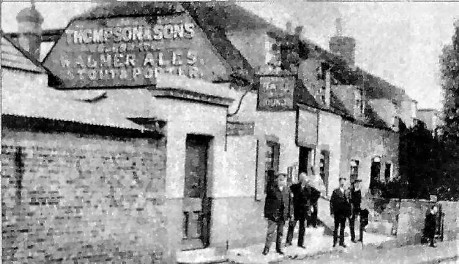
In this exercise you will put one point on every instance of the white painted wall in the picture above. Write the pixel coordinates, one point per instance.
(279, 124)
(240, 167)
(330, 136)
(185, 117)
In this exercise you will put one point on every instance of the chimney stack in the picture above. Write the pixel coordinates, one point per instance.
(298, 31)
(289, 27)
(29, 29)
(339, 27)
(341, 45)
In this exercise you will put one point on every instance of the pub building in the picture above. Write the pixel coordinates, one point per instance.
(150, 130)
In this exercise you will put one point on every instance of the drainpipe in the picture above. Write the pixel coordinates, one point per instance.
(317, 137)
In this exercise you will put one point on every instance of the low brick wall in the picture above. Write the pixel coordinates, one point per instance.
(408, 218)
(451, 219)
(72, 199)
(411, 219)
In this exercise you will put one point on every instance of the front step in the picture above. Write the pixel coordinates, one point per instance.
(202, 256)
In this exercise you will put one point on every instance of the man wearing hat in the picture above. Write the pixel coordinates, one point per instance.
(276, 211)
(356, 200)
(340, 209)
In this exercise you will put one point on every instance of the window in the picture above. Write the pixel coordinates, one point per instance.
(324, 166)
(388, 172)
(272, 162)
(374, 174)
(359, 105)
(323, 94)
(322, 71)
(354, 170)
(395, 122)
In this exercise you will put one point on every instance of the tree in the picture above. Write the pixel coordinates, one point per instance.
(420, 166)
(448, 182)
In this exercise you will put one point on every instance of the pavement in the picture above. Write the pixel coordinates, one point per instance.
(316, 242)
(446, 252)
(376, 249)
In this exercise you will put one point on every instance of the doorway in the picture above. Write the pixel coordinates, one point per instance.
(375, 174)
(304, 160)
(196, 203)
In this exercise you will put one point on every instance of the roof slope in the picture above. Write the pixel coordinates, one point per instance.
(30, 96)
(15, 58)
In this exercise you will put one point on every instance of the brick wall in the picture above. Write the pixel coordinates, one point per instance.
(408, 218)
(451, 219)
(363, 144)
(86, 199)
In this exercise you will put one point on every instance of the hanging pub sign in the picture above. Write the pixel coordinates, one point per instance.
(276, 92)
(131, 52)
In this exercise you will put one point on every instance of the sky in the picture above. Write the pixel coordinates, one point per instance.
(399, 41)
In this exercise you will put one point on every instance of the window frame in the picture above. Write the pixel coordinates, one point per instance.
(354, 175)
(390, 171)
(326, 168)
(359, 101)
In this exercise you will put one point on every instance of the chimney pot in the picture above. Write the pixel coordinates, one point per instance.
(298, 30)
(289, 27)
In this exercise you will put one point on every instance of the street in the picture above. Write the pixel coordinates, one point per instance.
(446, 252)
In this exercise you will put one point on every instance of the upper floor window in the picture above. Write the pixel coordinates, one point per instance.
(359, 103)
(323, 94)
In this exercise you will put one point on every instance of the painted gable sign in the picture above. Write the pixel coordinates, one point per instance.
(126, 52)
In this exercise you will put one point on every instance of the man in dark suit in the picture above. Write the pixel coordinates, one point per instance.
(340, 209)
(277, 211)
(301, 208)
(356, 200)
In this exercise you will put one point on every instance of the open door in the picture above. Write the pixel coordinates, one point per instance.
(196, 204)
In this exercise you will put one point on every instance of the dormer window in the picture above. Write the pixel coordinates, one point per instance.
(271, 51)
(359, 102)
(324, 74)
(322, 70)
(323, 92)
(394, 122)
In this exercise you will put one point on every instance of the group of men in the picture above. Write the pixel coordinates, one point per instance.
(298, 203)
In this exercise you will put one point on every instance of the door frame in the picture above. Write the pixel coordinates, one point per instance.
(206, 200)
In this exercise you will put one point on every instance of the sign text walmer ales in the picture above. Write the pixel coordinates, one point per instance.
(129, 51)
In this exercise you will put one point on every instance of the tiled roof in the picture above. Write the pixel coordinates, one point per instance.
(29, 96)
(15, 58)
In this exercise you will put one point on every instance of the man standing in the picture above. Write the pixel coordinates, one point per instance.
(356, 200)
(340, 209)
(430, 225)
(301, 193)
(277, 211)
